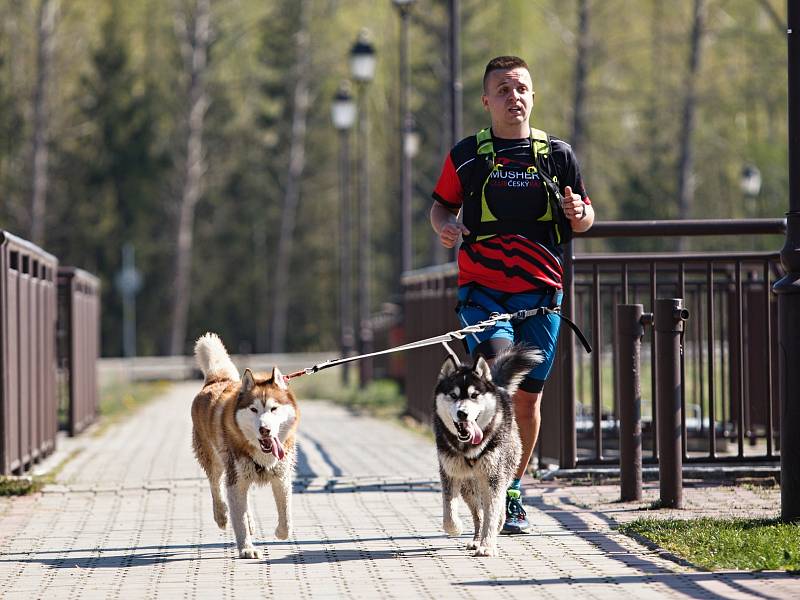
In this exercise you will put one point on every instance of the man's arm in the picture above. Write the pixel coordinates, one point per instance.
(579, 213)
(445, 223)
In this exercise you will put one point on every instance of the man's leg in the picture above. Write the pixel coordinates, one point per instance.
(527, 410)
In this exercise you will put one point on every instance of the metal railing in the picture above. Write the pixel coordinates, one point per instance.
(78, 346)
(729, 368)
(28, 404)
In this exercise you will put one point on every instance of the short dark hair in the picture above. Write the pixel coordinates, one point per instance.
(505, 63)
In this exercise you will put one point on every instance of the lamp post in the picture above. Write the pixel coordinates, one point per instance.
(343, 115)
(788, 292)
(362, 70)
(406, 125)
(750, 183)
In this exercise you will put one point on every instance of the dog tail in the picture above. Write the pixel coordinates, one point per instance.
(511, 366)
(213, 359)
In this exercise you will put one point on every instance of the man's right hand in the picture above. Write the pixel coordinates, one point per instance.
(448, 235)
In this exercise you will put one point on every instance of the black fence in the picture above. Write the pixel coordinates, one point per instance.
(729, 366)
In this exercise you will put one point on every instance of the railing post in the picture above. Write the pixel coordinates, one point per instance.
(630, 329)
(669, 318)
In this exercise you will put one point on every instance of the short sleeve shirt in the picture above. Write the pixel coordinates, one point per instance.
(509, 262)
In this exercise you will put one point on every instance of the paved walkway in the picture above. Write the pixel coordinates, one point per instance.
(130, 517)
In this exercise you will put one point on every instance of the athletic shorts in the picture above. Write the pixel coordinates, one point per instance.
(540, 331)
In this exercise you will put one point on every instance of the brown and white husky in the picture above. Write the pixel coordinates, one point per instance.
(245, 430)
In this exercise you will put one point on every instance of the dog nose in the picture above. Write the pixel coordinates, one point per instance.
(264, 431)
(462, 416)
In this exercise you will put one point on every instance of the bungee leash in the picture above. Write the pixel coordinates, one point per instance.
(458, 334)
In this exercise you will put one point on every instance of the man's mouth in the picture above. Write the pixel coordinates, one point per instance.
(468, 431)
(272, 445)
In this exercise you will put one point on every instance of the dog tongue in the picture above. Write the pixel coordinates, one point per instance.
(477, 434)
(277, 448)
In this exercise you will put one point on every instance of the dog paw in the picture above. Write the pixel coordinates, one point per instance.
(282, 532)
(453, 526)
(249, 552)
(485, 551)
(221, 519)
(473, 545)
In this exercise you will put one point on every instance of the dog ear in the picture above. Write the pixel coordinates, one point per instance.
(449, 367)
(248, 383)
(277, 378)
(482, 369)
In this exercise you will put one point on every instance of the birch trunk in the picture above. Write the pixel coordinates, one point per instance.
(46, 22)
(194, 36)
(291, 198)
(686, 161)
(581, 73)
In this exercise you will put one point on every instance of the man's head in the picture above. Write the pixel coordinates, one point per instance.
(508, 95)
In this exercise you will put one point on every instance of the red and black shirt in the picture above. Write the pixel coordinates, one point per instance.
(509, 262)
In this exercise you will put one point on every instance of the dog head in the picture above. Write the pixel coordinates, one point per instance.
(266, 411)
(466, 399)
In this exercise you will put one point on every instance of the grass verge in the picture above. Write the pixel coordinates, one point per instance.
(713, 544)
(120, 400)
(382, 398)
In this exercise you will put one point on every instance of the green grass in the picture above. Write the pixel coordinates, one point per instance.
(713, 544)
(20, 486)
(381, 398)
(120, 400)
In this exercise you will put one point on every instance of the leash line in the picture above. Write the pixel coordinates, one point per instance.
(458, 334)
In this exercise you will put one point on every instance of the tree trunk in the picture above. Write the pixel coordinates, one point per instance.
(48, 10)
(291, 198)
(686, 161)
(581, 73)
(194, 47)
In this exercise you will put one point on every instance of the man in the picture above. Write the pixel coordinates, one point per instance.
(521, 195)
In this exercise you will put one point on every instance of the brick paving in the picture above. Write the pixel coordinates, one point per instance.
(130, 517)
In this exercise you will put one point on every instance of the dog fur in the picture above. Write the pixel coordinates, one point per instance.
(245, 430)
(477, 440)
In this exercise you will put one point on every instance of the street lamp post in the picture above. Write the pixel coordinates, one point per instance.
(788, 292)
(406, 126)
(362, 70)
(343, 115)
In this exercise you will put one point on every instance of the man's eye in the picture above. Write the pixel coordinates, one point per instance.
(253, 409)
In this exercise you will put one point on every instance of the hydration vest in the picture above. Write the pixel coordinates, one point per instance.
(553, 225)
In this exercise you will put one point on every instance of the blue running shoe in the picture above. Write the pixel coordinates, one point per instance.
(516, 519)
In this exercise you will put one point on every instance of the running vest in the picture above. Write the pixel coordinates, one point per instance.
(552, 226)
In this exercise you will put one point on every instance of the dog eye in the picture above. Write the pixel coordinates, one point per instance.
(273, 409)
(253, 409)
(473, 395)
(454, 396)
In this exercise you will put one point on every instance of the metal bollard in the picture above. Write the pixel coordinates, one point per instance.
(669, 318)
(630, 329)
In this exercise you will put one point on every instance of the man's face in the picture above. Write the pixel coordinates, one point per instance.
(508, 97)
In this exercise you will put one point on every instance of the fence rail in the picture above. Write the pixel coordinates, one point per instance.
(78, 346)
(728, 366)
(28, 404)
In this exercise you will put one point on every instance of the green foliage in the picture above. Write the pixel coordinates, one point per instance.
(19, 486)
(117, 117)
(747, 544)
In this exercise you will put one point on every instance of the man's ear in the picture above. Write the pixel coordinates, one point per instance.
(482, 369)
(277, 378)
(485, 102)
(248, 383)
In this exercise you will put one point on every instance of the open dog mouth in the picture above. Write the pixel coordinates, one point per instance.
(468, 431)
(272, 445)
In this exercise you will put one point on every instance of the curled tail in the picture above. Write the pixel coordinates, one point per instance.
(511, 366)
(213, 359)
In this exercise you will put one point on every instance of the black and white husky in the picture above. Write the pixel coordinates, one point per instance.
(477, 440)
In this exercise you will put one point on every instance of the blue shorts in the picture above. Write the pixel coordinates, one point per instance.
(540, 330)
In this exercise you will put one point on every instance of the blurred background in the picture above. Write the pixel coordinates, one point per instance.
(184, 150)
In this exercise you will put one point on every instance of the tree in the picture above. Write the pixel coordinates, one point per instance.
(194, 33)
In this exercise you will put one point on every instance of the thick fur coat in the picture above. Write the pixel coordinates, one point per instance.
(477, 440)
(243, 433)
